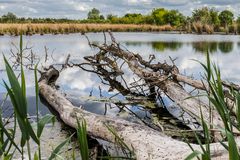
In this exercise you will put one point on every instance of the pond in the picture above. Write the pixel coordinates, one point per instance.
(78, 84)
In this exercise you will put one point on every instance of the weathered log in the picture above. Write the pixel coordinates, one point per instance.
(146, 142)
(160, 73)
(173, 90)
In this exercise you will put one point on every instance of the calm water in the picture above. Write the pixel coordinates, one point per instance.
(224, 50)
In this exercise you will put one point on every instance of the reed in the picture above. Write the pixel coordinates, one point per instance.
(209, 28)
(82, 139)
(63, 28)
(17, 94)
(216, 98)
(233, 28)
(198, 27)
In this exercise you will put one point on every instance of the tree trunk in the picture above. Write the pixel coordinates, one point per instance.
(146, 142)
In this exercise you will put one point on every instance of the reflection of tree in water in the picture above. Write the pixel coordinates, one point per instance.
(135, 43)
(212, 47)
(225, 47)
(203, 47)
(158, 46)
(162, 46)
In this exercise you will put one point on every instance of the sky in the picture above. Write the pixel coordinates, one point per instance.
(78, 9)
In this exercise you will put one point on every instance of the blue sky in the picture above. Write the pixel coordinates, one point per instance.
(76, 9)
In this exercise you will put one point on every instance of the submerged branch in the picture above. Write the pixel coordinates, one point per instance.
(146, 142)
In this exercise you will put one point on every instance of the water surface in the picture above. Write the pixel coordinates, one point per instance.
(184, 48)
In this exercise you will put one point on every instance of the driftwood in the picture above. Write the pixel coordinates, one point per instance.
(157, 78)
(146, 142)
(165, 77)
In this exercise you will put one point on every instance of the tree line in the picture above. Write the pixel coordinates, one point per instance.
(202, 20)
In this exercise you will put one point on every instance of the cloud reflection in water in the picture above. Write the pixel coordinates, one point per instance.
(224, 50)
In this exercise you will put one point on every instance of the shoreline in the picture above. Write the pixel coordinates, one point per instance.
(14, 29)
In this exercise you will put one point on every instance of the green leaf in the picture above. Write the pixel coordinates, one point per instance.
(232, 147)
(58, 148)
(82, 139)
(21, 45)
(35, 156)
(23, 83)
(9, 137)
(21, 103)
(7, 157)
(208, 67)
(42, 122)
(200, 143)
(206, 137)
(224, 145)
(119, 140)
(31, 132)
(21, 49)
(194, 154)
(20, 119)
(36, 90)
(238, 108)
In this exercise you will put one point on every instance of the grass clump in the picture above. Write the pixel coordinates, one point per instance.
(65, 28)
(17, 93)
(216, 97)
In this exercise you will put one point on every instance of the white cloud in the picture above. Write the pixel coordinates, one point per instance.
(71, 76)
(139, 1)
(79, 6)
(77, 9)
(2, 7)
(29, 9)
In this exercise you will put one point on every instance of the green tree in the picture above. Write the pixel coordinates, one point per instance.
(206, 15)
(174, 18)
(94, 14)
(133, 18)
(226, 18)
(225, 47)
(214, 17)
(148, 19)
(101, 17)
(158, 16)
(9, 17)
(205, 19)
(112, 18)
(202, 15)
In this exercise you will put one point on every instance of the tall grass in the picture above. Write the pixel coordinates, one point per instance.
(17, 93)
(46, 28)
(217, 98)
(128, 152)
(198, 27)
(82, 139)
(205, 149)
(233, 28)
(238, 28)
(209, 29)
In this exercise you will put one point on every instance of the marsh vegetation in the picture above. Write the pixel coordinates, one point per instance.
(202, 21)
(143, 89)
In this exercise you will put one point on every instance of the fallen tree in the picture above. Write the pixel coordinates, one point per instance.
(146, 142)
